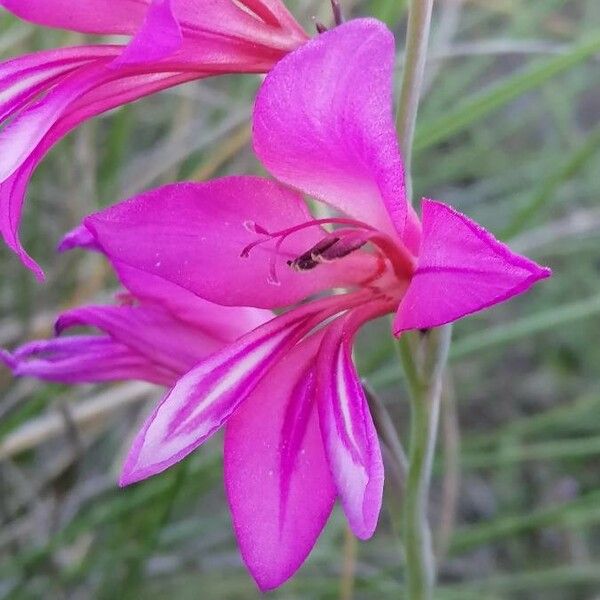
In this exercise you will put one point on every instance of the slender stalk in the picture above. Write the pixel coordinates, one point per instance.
(423, 359)
(348, 578)
(417, 39)
(425, 386)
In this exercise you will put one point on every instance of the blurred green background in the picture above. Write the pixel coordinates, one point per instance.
(508, 132)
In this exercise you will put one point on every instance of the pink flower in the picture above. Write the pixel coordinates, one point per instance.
(173, 41)
(298, 432)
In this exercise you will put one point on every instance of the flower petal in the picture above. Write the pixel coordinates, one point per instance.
(159, 36)
(91, 16)
(462, 269)
(80, 237)
(194, 235)
(204, 398)
(22, 78)
(26, 131)
(262, 26)
(105, 97)
(149, 331)
(348, 431)
(323, 123)
(225, 323)
(277, 478)
(84, 359)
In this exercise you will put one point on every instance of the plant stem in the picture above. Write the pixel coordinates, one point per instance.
(417, 39)
(425, 386)
(423, 359)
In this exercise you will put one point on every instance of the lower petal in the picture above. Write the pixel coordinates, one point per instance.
(149, 331)
(277, 478)
(84, 359)
(348, 431)
(205, 397)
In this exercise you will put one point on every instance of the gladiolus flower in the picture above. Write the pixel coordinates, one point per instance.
(46, 94)
(298, 432)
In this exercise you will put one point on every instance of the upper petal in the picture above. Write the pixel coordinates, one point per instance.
(263, 22)
(194, 235)
(89, 16)
(462, 269)
(277, 478)
(24, 77)
(27, 129)
(323, 123)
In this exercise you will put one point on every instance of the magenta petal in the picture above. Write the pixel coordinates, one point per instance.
(278, 482)
(226, 323)
(194, 235)
(205, 397)
(149, 331)
(158, 37)
(323, 123)
(348, 431)
(84, 359)
(89, 16)
(263, 27)
(80, 237)
(462, 269)
(21, 136)
(22, 78)
(105, 97)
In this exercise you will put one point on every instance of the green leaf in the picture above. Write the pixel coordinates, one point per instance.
(478, 106)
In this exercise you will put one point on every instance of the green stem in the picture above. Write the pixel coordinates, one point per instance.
(423, 359)
(425, 386)
(417, 39)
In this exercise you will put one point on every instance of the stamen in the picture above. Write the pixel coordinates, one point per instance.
(333, 246)
(284, 233)
(338, 18)
(337, 245)
(311, 258)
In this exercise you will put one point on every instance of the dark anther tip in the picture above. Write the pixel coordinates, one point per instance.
(320, 27)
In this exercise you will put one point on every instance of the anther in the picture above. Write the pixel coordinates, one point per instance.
(329, 249)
